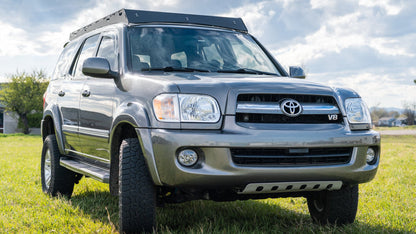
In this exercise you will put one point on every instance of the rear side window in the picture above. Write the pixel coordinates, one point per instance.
(87, 51)
(108, 50)
(66, 57)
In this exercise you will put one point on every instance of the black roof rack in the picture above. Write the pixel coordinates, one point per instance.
(127, 16)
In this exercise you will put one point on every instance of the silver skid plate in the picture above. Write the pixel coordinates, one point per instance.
(282, 187)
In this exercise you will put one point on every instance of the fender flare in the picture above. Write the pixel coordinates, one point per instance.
(136, 115)
(54, 114)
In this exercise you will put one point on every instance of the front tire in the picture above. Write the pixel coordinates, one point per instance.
(334, 207)
(137, 195)
(56, 180)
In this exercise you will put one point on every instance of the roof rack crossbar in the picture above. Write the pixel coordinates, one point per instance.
(128, 16)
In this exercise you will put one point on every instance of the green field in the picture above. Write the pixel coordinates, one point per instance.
(387, 204)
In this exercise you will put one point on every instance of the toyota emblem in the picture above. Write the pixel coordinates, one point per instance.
(291, 107)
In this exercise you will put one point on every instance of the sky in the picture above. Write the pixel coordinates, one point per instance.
(366, 45)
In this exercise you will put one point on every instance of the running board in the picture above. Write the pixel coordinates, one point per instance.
(89, 170)
(285, 187)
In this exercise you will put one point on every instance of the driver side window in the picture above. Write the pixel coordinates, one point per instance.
(87, 51)
(108, 50)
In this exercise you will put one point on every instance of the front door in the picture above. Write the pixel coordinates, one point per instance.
(97, 103)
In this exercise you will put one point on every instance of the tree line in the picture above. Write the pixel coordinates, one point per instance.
(23, 95)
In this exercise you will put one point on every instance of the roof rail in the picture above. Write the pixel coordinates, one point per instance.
(128, 16)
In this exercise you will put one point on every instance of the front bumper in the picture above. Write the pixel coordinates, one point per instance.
(217, 169)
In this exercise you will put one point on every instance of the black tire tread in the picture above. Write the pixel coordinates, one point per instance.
(62, 180)
(340, 206)
(137, 195)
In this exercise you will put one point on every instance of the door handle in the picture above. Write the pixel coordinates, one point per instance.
(61, 93)
(86, 93)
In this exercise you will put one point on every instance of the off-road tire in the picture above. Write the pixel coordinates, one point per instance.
(137, 194)
(60, 180)
(114, 170)
(334, 207)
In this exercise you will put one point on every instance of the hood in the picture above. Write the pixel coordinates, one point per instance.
(204, 82)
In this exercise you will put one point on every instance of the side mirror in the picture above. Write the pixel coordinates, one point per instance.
(97, 67)
(297, 72)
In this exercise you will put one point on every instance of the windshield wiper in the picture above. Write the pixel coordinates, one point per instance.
(173, 69)
(247, 71)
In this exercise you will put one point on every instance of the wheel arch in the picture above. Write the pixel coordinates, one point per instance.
(126, 126)
(51, 125)
(123, 127)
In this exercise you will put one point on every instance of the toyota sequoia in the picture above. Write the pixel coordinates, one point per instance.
(168, 108)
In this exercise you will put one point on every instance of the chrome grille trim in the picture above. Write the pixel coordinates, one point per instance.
(274, 108)
(267, 109)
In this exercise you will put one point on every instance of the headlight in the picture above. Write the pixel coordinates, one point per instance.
(186, 108)
(198, 108)
(358, 114)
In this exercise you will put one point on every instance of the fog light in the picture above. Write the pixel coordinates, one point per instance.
(371, 156)
(187, 157)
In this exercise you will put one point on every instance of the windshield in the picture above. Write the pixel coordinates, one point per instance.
(196, 49)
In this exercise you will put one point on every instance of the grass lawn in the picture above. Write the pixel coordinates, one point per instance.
(387, 204)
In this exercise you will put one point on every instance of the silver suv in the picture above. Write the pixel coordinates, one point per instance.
(171, 107)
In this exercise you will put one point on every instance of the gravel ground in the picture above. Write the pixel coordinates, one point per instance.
(398, 132)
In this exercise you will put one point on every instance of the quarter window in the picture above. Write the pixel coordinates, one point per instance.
(64, 60)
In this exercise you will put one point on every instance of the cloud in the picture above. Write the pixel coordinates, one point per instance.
(388, 6)
(387, 89)
(255, 15)
(15, 41)
(315, 4)
(20, 41)
(390, 46)
(338, 33)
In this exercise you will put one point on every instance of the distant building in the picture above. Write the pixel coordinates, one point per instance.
(391, 122)
(400, 121)
(8, 124)
(386, 122)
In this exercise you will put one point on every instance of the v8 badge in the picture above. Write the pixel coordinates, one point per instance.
(333, 117)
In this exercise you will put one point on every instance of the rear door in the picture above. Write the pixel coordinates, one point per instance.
(97, 103)
(60, 89)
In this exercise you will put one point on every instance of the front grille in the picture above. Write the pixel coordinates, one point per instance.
(291, 156)
(265, 108)
(279, 118)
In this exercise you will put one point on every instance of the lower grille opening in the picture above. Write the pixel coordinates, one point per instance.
(291, 157)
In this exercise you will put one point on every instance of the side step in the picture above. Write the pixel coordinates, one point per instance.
(92, 171)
